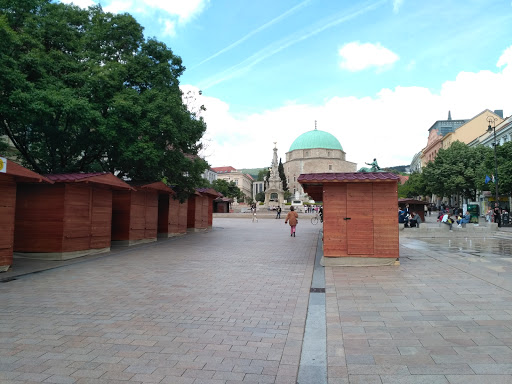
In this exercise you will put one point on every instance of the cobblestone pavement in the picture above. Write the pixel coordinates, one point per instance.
(229, 306)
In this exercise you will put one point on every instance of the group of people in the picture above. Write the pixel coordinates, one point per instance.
(497, 215)
(445, 218)
(408, 218)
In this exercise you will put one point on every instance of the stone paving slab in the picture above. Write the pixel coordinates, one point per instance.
(224, 306)
(229, 306)
(441, 316)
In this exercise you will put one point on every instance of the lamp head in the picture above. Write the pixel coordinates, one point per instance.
(489, 128)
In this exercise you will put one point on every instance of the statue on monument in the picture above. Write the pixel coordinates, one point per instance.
(375, 166)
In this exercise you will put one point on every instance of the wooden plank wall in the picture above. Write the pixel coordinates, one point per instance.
(335, 228)
(386, 233)
(7, 214)
(151, 222)
(101, 218)
(77, 217)
(192, 211)
(203, 215)
(210, 211)
(39, 224)
(374, 224)
(360, 225)
(183, 217)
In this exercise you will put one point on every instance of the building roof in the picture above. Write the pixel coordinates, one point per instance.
(158, 186)
(209, 191)
(316, 139)
(22, 174)
(316, 178)
(223, 169)
(105, 178)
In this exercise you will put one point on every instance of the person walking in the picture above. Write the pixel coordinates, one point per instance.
(278, 212)
(253, 210)
(293, 219)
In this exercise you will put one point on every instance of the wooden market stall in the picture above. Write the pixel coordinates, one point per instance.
(135, 213)
(172, 216)
(197, 215)
(211, 195)
(11, 175)
(70, 218)
(417, 206)
(221, 205)
(360, 224)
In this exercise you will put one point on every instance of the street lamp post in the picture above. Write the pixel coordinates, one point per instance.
(492, 120)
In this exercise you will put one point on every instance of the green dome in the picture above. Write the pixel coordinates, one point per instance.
(316, 139)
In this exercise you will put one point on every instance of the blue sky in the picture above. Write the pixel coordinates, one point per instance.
(376, 74)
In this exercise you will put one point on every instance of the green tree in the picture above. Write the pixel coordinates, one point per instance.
(260, 196)
(456, 170)
(82, 90)
(413, 187)
(228, 189)
(261, 174)
(504, 159)
(280, 169)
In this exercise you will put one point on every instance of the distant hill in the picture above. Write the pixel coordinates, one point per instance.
(251, 171)
(398, 168)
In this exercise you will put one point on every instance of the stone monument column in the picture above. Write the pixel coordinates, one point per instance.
(274, 194)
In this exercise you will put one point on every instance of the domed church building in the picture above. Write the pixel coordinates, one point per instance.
(314, 152)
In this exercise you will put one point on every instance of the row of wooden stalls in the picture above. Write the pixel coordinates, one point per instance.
(59, 217)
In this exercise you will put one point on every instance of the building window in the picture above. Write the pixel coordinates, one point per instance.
(294, 179)
(330, 167)
(307, 154)
(328, 153)
(236, 181)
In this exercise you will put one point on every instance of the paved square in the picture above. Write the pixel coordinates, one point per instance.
(229, 306)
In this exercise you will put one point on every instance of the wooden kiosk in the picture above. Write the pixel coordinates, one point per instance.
(197, 215)
(68, 219)
(135, 213)
(211, 195)
(11, 174)
(172, 216)
(360, 222)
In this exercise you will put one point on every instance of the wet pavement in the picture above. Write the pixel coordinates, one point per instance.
(230, 306)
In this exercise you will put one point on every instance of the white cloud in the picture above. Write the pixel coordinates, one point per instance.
(391, 126)
(183, 9)
(118, 6)
(357, 57)
(80, 3)
(169, 27)
(396, 5)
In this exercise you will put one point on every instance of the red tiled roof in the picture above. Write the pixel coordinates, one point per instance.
(105, 178)
(348, 176)
(22, 174)
(223, 169)
(403, 179)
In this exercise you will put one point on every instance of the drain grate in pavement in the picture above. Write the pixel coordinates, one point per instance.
(317, 290)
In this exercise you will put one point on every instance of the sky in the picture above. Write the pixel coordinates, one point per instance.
(375, 74)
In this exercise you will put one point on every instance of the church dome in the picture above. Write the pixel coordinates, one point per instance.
(316, 139)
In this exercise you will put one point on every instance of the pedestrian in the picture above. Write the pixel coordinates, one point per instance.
(488, 214)
(278, 212)
(429, 210)
(293, 219)
(253, 210)
(425, 211)
(497, 214)
(464, 220)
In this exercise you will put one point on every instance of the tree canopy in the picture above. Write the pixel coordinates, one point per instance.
(83, 90)
(461, 170)
(228, 189)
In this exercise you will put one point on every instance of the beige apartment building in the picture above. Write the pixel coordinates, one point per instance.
(242, 180)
